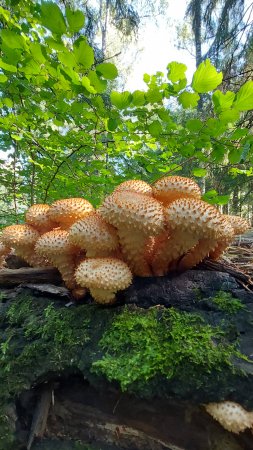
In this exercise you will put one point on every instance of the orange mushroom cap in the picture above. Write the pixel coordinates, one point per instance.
(21, 234)
(56, 246)
(67, 211)
(168, 189)
(104, 277)
(94, 234)
(133, 211)
(196, 216)
(23, 238)
(232, 416)
(238, 224)
(135, 186)
(37, 216)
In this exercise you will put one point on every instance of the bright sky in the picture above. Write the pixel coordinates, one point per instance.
(159, 46)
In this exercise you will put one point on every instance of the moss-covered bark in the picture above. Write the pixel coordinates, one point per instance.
(193, 353)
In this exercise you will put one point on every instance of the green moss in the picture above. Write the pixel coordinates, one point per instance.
(227, 303)
(37, 339)
(141, 345)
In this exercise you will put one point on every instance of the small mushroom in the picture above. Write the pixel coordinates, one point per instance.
(135, 186)
(232, 416)
(238, 226)
(67, 211)
(189, 222)
(136, 217)
(104, 277)
(57, 248)
(168, 189)
(22, 238)
(37, 216)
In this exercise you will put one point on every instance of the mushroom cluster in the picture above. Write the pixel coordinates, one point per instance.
(138, 230)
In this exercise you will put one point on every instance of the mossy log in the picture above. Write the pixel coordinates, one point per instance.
(134, 375)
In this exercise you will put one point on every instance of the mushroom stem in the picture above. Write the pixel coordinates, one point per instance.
(66, 266)
(197, 254)
(103, 296)
(171, 249)
(133, 249)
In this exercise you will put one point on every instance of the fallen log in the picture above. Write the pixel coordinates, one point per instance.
(14, 277)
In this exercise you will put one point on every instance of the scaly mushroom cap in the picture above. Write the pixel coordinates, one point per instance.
(135, 186)
(239, 224)
(197, 217)
(19, 235)
(54, 243)
(232, 416)
(93, 234)
(23, 238)
(104, 277)
(67, 211)
(168, 189)
(56, 246)
(194, 227)
(37, 216)
(133, 211)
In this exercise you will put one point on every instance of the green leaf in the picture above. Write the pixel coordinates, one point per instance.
(223, 101)
(107, 70)
(112, 124)
(234, 155)
(52, 18)
(244, 97)
(176, 71)
(222, 199)
(16, 137)
(229, 116)
(87, 84)
(189, 99)
(239, 133)
(84, 54)
(75, 20)
(3, 78)
(36, 51)
(194, 125)
(198, 172)
(12, 39)
(154, 96)
(138, 98)
(146, 78)
(155, 128)
(96, 82)
(8, 67)
(121, 100)
(8, 102)
(206, 78)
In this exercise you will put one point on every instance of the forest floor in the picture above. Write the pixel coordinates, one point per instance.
(241, 253)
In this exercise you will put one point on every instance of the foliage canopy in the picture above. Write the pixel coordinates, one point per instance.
(67, 131)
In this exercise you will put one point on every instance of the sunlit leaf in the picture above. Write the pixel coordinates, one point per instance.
(52, 18)
(75, 20)
(244, 97)
(107, 70)
(198, 172)
(121, 100)
(206, 78)
(176, 71)
(188, 99)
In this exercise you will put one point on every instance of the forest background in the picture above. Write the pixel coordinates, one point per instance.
(70, 128)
